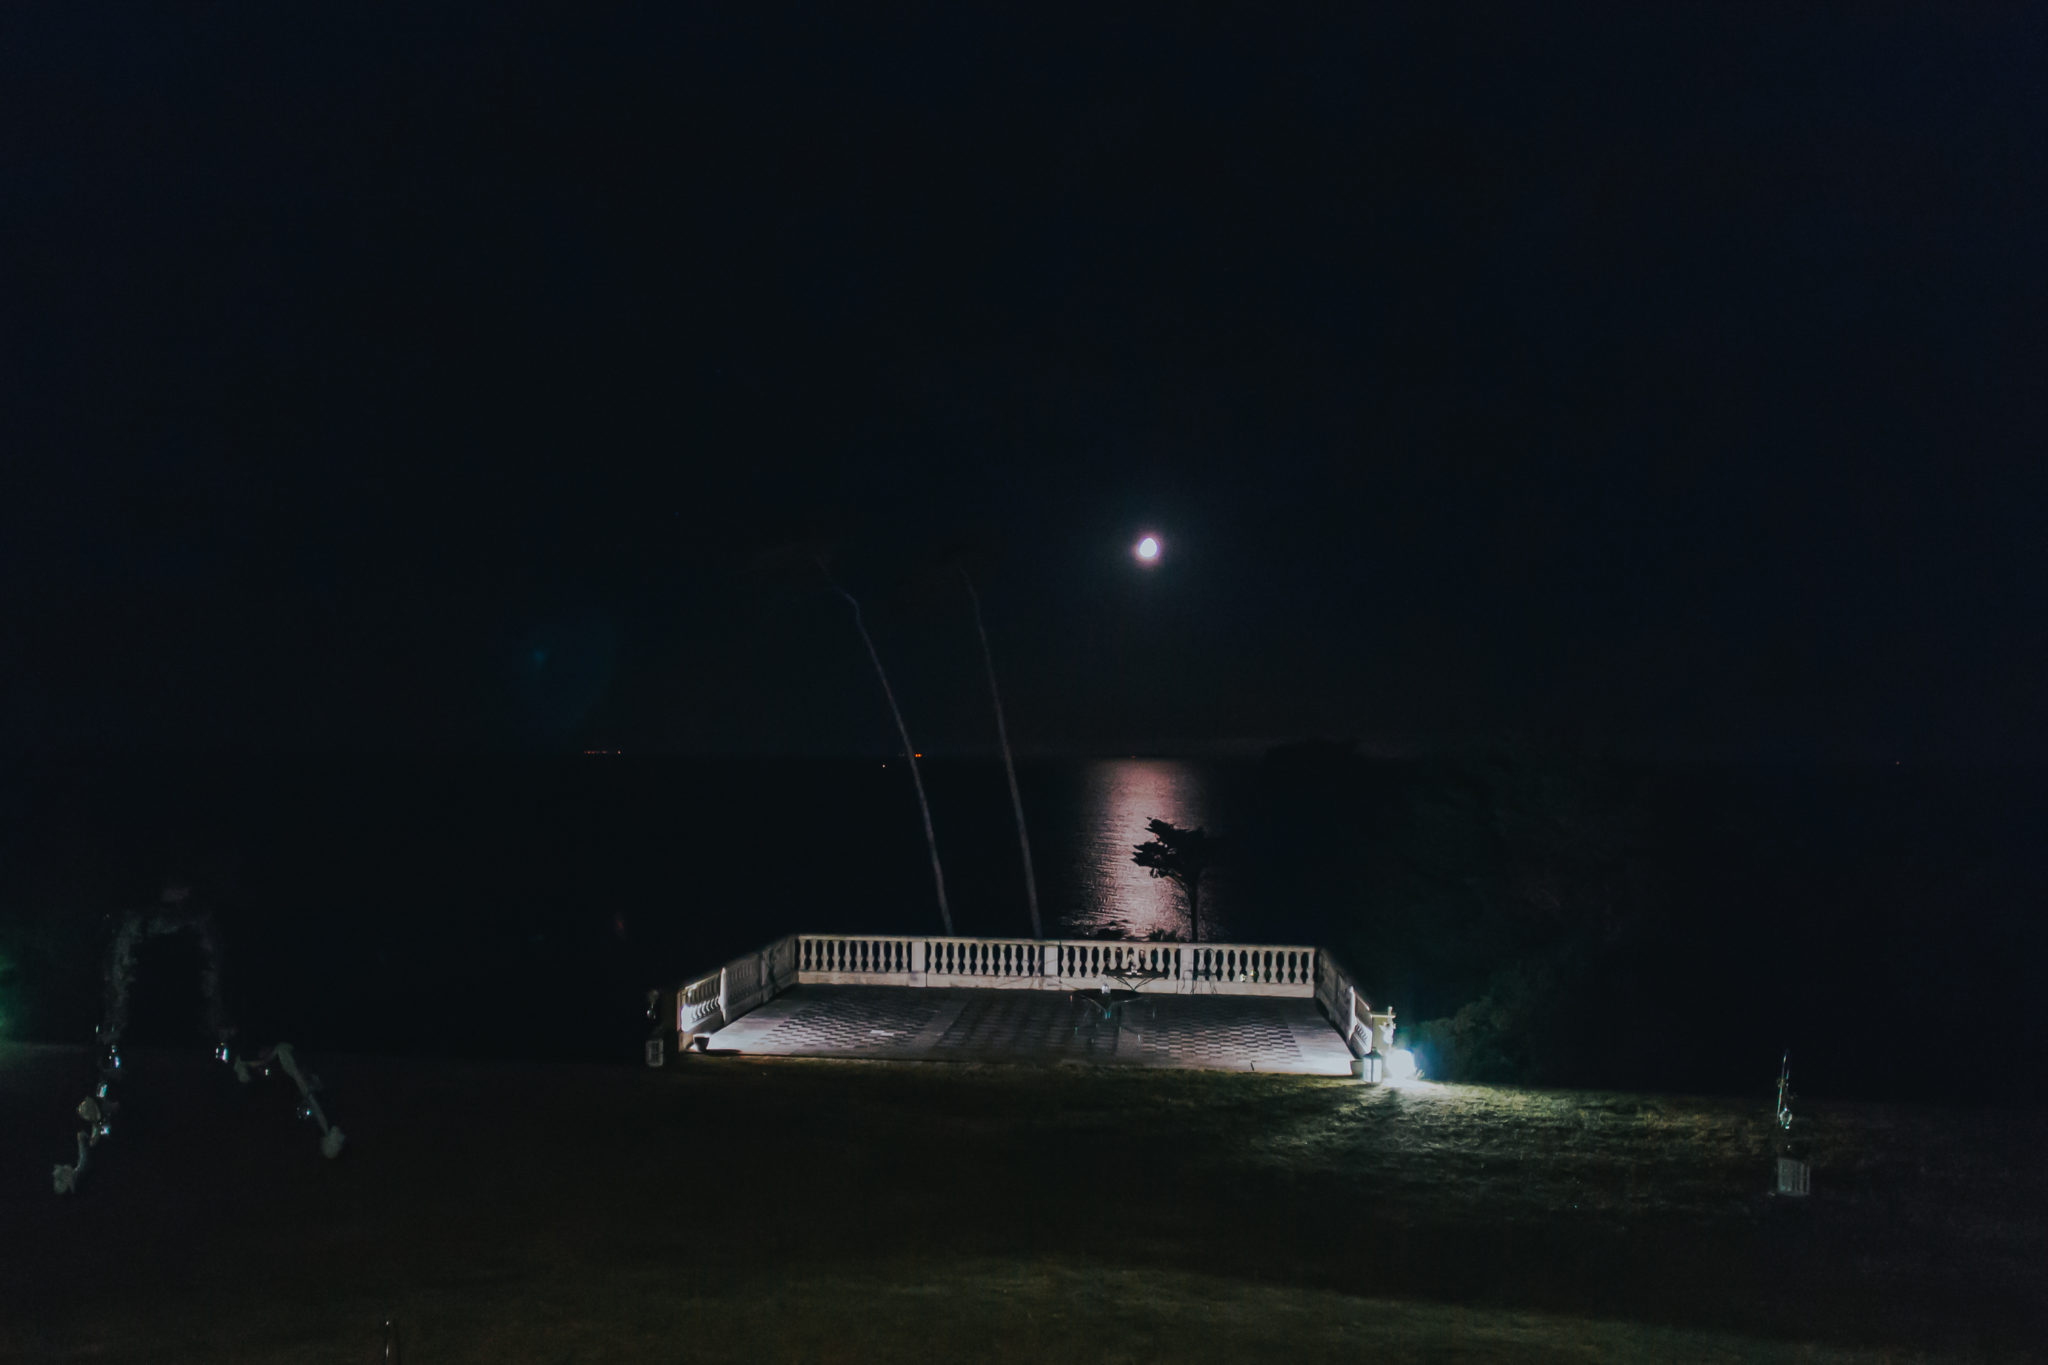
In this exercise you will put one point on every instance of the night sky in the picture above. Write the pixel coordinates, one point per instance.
(436, 376)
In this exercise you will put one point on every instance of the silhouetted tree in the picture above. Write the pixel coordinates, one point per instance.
(1180, 856)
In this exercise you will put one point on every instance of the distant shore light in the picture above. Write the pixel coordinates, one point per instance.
(1148, 550)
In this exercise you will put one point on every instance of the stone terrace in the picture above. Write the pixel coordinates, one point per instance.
(1232, 1007)
(905, 1023)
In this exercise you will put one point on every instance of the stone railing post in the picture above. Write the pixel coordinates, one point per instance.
(722, 1015)
(917, 961)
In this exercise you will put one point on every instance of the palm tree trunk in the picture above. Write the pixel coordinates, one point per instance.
(1009, 764)
(916, 780)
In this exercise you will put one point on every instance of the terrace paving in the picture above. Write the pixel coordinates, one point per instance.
(904, 1023)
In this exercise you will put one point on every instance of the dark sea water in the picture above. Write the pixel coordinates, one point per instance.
(523, 903)
(1888, 922)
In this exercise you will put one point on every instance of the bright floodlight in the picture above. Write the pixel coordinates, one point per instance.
(1148, 550)
(1401, 1065)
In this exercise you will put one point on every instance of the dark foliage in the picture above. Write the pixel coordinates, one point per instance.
(1516, 883)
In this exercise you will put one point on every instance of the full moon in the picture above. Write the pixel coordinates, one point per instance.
(1148, 550)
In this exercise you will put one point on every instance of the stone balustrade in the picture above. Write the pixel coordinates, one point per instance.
(711, 1002)
(1055, 964)
(1363, 1028)
(697, 1008)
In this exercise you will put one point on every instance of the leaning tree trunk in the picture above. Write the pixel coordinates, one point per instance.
(924, 808)
(1009, 764)
(1193, 886)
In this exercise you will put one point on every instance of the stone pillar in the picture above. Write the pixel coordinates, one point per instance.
(917, 962)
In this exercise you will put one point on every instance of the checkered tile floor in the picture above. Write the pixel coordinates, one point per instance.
(1210, 1032)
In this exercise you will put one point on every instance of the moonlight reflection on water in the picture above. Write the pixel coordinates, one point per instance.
(1118, 797)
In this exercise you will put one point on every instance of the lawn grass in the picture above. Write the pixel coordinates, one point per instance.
(818, 1211)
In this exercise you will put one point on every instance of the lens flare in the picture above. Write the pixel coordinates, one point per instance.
(1148, 550)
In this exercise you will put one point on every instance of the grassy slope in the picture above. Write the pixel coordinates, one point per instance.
(847, 1211)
